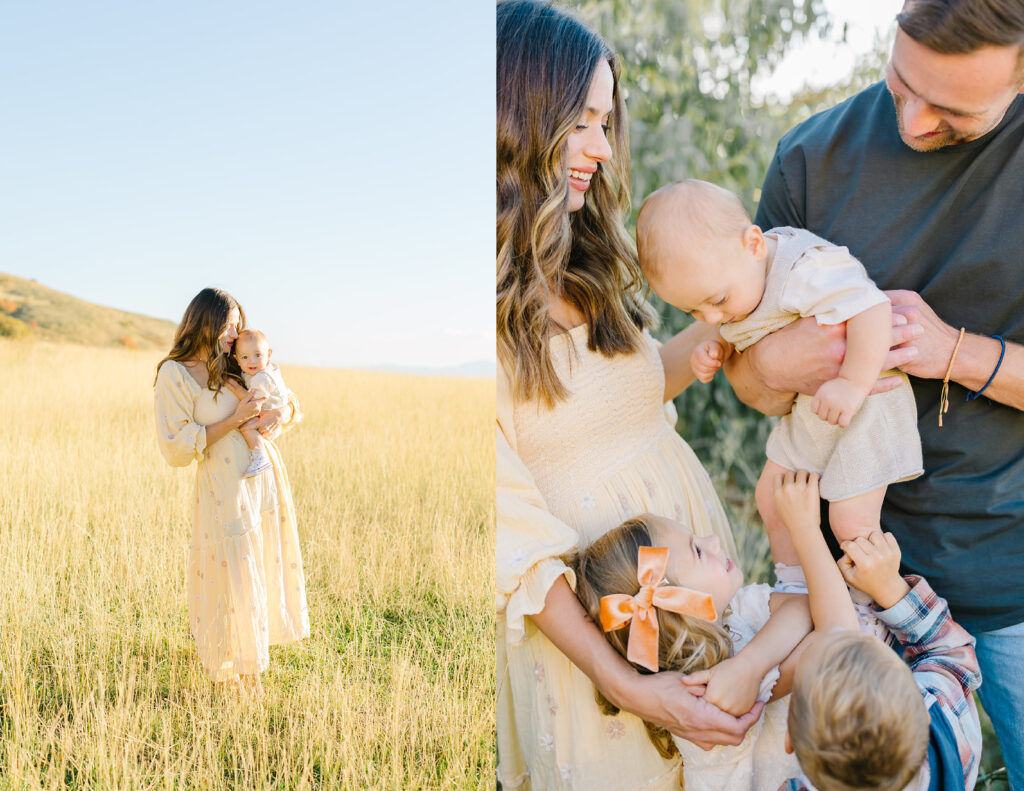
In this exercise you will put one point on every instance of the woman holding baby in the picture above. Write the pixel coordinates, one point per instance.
(244, 574)
(583, 439)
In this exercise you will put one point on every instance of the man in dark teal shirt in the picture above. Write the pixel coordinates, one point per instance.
(922, 177)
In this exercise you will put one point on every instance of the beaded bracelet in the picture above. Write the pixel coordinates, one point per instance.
(972, 395)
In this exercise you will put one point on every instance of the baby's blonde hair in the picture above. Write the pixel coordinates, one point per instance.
(252, 335)
(685, 643)
(856, 717)
(675, 215)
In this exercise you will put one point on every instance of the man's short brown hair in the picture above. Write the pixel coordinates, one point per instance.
(958, 27)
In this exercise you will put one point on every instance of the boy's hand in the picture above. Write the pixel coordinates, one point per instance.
(797, 501)
(706, 359)
(731, 685)
(837, 401)
(872, 564)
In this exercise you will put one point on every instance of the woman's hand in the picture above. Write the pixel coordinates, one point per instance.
(663, 699)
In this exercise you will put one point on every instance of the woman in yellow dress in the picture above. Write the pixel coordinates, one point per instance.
(584, 441)
(246, 589)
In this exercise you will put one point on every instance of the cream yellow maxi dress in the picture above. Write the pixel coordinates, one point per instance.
(565, 477)
(246, 589)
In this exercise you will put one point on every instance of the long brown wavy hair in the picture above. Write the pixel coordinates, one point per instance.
(685, 643)
(546, 61)
(197, 336)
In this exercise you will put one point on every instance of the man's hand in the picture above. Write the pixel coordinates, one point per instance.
(872, 565)
(934, 344)
(837, 401)
(798, 503)
(707, 359)
(731, 685)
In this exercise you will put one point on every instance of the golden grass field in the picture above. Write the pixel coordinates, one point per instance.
(100, 687)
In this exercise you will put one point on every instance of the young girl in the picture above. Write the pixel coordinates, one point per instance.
(670, 600)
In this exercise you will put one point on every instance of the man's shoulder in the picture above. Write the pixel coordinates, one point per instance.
(851, 120)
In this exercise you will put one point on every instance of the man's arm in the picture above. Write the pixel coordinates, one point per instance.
(976, 358)
(801, 357)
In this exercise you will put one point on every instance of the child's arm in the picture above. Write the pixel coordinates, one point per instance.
(236, 389)
(868, 335)
(939, 651)
(709, 356)
(872, 565)
(675, 356)
(733, 684)
(798, 504)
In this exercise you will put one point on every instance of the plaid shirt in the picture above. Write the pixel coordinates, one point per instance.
(941, 656)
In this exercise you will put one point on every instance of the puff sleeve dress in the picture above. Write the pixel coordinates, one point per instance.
(246, 589)
(565, 476)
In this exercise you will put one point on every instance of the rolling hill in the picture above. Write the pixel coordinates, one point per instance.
(31, 310)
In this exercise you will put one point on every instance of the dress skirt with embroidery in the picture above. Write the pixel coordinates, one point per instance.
(566, 476)
(246, 589)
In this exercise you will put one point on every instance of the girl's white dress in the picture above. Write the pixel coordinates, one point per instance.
(565, 477)
(759, 762)
(245, 584)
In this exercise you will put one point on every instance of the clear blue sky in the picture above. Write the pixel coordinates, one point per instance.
(328, 163)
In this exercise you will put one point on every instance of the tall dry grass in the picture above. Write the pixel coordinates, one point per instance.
(100, 686)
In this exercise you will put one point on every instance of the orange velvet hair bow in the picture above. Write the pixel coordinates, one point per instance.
(619, 609)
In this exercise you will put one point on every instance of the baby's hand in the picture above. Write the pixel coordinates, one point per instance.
(707, 359)
(732, 685)
(797, 501)
(837, 401)
(872, 565)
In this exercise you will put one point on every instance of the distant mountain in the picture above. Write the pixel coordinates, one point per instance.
(31, 310)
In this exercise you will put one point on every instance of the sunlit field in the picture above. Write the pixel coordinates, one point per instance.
(100, 686)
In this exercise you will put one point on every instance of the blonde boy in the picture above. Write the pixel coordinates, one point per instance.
(859, 716)
(701, 253)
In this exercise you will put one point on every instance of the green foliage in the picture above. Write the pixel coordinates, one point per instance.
(11, 327)
(688, 68)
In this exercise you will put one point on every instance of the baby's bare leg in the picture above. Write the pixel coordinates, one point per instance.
(778, 536)
(253, 438)
(856, 516)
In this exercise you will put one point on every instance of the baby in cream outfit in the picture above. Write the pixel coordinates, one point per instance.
(702, 254)
(263, 378)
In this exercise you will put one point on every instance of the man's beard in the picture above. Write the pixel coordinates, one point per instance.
(946, 136)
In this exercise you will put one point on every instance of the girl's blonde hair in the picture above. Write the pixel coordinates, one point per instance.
(546, 60)
(198, 336)
(685, 643)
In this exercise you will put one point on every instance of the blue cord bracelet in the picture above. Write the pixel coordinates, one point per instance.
(971, 395)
